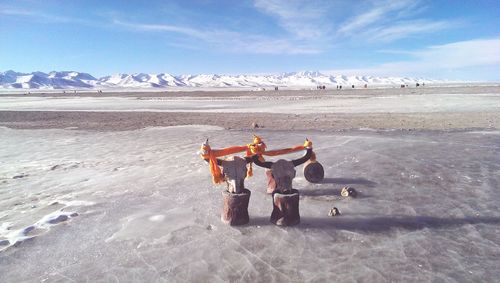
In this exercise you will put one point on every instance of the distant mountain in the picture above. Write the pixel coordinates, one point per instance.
(52, 80)
(77, 80)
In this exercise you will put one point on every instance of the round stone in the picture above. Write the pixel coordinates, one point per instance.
(314, 172)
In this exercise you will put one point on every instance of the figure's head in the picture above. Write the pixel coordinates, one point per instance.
(283, 170)
(283, 173)
(234, 170)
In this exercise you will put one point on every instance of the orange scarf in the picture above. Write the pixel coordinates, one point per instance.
(212, 154)
(256, 147)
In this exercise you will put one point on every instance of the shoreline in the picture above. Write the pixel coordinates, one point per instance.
(124, 121)
(230, 92)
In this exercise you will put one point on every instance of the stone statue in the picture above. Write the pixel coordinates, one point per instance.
(236, 197)
(285, 198)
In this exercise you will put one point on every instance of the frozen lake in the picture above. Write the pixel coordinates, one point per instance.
(332, 102)
(139, 205)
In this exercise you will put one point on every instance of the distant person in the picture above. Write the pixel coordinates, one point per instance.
(352, 86)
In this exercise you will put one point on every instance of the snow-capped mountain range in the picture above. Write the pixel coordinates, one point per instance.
(78, 80)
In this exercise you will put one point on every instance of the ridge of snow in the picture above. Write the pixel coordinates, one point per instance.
(75, 80)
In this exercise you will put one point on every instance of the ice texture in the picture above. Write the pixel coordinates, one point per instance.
(140, 206)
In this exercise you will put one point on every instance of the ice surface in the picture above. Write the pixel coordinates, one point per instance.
(146, 209)
(300, 104)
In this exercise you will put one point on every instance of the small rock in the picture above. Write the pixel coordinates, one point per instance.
(28, 229)
(4, 242)
(348, 192)
(74, 214)
(54, 167)
(210, 227)
(20, 176)
(58, 219)
(334, 212)
(255, 125)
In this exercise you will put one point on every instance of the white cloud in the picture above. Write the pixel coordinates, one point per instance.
(303, 19)
(42, 17)
(15, 12)
(479, 52)
(381, 20)
(160, 27)
(388, 21)
(433, 60)
(381, 11)
(405, 29)
(220, 39)
(228, 40)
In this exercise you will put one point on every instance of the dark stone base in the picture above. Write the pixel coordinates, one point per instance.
(286, 209)
(314, 172)
(235, 211)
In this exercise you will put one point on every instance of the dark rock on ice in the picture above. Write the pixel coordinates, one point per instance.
(28, 229)
(349, 192)
(334, 212)
(20, 176)
(58, 219)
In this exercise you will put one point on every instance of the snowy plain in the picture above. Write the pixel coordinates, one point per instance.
(144, 208)
(332, 102)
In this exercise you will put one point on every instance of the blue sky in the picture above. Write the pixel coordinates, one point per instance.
(432, 38)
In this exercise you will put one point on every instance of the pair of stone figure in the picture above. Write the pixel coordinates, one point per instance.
(280, 176)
